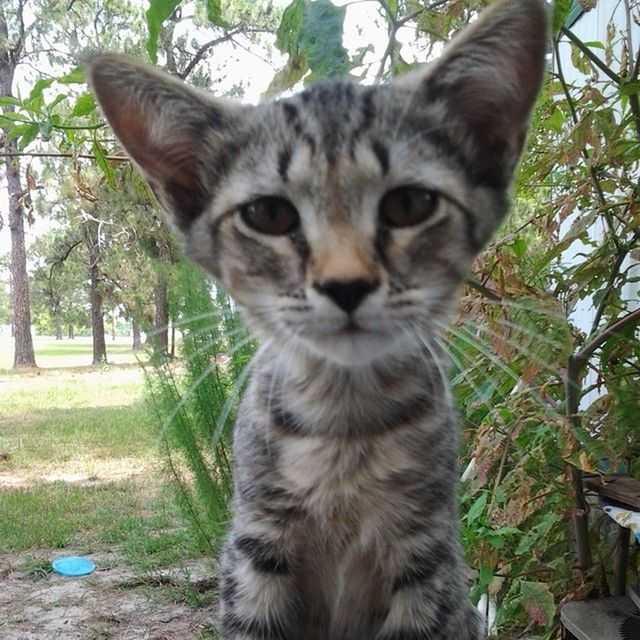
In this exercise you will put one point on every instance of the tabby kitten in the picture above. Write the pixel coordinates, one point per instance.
(342, 220)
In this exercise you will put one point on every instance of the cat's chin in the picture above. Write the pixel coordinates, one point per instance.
(355, 349)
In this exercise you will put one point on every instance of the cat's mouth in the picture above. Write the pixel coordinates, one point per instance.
(351, 343)
(352, 328)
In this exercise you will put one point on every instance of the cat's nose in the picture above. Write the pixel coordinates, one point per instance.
(347, 294)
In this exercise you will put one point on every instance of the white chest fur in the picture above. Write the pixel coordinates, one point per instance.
(329, 472)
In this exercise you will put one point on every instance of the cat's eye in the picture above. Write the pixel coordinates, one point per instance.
(407, 206)
(270, 215)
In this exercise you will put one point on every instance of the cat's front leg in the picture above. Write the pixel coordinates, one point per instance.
(257, 599)
(417, 615)
(429, 598)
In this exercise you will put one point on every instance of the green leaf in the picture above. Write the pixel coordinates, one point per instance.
(435, 23)
(561, 11)
(84, 105)
(289, 29)
(485, 576)
(539, 532)
(214, 13)
(580, 60)
(519, 247)
(9, 101)
(285, 78)
(39, 87)
(58, 99)
(538, 602)
(630, 89)
(103, 163)
(320, 39)
(594, 44)
(477, 508)
(555, 121)
(157, 13)
(76, 76)
(13, 117)
(29, 134)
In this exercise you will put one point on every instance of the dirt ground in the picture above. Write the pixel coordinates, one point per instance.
(112, 603)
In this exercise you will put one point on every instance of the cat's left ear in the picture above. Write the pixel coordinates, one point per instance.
(479, 94)
(178, 136)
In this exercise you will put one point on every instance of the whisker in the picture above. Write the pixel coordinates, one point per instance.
(238, 386)
(520, 306)
(185, 321)
(210, 345)
(517, 346)
(185, 397)
(465, 373)
(517, 380)
(556, 344)
(426, 342)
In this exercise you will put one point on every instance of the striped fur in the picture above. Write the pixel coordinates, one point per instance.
(345, 519)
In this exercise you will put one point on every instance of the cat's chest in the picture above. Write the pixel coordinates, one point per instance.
(329, 474)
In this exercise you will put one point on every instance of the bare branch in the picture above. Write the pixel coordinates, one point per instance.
(204, 48)
(83, 156)
(592, 56)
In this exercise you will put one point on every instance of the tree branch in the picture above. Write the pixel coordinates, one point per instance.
(58, 261)
(485, 291)
(633, 317)
(83, 156)
(585, 154)
(204, 48)
(592, 56)
(622, 253)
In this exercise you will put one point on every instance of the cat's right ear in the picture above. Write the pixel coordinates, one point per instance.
(174, 133)
(479, 94)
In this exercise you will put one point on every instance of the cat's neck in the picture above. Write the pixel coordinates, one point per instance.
(316, 396)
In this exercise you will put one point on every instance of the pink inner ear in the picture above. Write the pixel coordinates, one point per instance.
(173, 161)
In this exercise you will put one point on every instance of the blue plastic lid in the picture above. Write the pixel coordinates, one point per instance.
(73, 566)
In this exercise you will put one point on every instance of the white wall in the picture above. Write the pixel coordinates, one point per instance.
(592, 26)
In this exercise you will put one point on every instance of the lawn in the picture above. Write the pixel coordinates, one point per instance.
(51, 353)
(80, 473)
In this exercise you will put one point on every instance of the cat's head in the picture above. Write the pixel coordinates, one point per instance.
(342, 219)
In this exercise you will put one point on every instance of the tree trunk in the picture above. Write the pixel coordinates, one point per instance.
(97, 317)
(161, 323)
(24, 355)
(113, 325)
(95, 277)
(71, 334)
(137, 338)
(9, 57)
(57, 323)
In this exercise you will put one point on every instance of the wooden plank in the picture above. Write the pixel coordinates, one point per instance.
(597, 619)
(622, 489)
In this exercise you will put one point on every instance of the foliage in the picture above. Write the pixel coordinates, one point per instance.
(311, 34)
(534, 419)
(194, 403)
(5, 304)
(542, 395)
(58, 283)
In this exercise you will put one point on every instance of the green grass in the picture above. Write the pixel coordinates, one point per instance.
(67, 421)
(52, 353)
(123, 515)
(61, 514)
(78, 469)
(62, 348)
